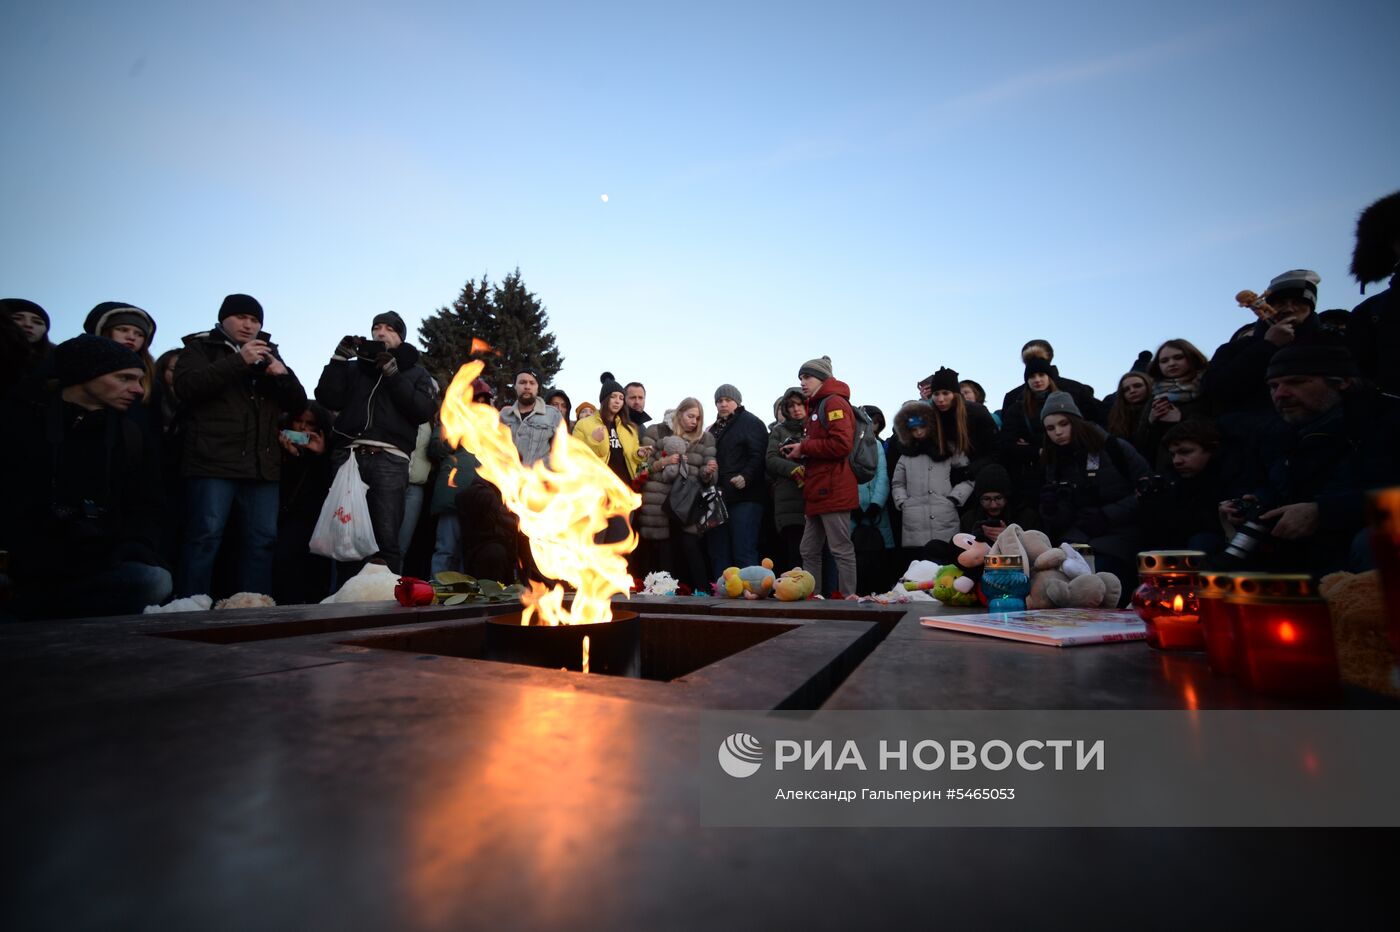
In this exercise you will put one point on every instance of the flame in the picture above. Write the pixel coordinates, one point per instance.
(561, 505)
(481, 346)
(585, 653)
(1177, 603)
(1287, 633)
(452, 478)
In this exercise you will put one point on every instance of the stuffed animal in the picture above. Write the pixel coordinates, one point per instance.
(1358, 625)
(795, 585)
(1060, 577)
(374, 583)
(751, 582)
(953, 587)
(245, 600)
(974, 551)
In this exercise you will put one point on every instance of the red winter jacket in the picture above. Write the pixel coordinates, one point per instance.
(826, 448)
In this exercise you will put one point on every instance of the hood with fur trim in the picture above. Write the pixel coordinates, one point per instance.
(901, 420)
(1377, 230)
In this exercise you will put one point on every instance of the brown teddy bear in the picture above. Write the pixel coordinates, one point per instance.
(1060, 577)
(1358, 625)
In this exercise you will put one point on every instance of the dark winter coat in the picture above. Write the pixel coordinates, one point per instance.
(231, 409)
(373, 406)
(1185, 509)
(788, 503)
(1373, 333)
(654, 523)
(1235, 378)
(830, 483)
(85, 489)
(741, 442)
(456, 469)
(1082, 394)
(1101, 509)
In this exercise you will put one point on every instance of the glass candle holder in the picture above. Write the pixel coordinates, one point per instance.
(1005, 583)
(1285, 645)
(1168, 600)
(1385, 544)
(1218, 623)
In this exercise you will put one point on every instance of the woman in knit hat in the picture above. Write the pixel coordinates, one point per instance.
(1089, 496)
(34, 322)
(610, 434)
(962, 427)
(131, 327)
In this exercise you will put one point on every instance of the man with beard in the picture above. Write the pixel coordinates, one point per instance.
(532, 423)
(382, 393)
(635, 395)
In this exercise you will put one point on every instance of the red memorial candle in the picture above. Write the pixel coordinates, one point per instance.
(1218, 622)
(1285, 645)
(1168, 599)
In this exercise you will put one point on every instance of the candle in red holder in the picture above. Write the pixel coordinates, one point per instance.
(1385, 544)
(1218, 622)
(1285, 644)
(1168, 599)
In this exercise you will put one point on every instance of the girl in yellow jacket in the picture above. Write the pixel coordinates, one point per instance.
(611, 434)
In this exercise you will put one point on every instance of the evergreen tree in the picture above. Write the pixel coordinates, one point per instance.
(507, 318)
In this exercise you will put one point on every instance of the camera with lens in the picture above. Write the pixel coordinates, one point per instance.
(369, 350)
(1253, 532)
(1153, 485)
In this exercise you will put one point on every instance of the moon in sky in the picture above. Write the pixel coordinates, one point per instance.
(604, 198)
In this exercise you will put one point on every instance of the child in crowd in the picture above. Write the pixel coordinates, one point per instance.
(1179, 511)
(922, 488)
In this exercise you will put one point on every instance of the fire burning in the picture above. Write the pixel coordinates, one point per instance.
(562, 503)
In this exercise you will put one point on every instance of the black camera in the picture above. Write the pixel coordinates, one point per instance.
(1251, 534)
(1153, 485)
(369, 350)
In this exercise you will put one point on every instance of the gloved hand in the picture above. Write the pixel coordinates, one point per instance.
(873, 512)
(1091, 521)
(345, 349)
(387, 364)
(857, 514)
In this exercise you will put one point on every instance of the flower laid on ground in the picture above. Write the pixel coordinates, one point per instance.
(448, 588)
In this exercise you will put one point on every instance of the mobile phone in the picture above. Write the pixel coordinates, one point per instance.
(298, 437)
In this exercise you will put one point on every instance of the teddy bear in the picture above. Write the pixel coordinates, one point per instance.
(751, 582)
(795, 585)
(1358, 625)
(1060, 576)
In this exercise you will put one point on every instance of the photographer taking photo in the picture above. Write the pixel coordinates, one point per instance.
(382, 393)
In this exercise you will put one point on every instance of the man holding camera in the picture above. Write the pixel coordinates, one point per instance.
(233, 387)
(382, 393)
(1337, 442)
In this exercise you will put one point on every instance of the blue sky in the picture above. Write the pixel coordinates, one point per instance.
(899, 186)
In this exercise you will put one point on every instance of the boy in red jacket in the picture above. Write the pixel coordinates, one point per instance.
(830, 490)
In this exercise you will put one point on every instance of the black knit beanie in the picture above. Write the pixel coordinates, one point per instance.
(945, 380)
(86, 357)
(394, 321)
(14, 306)
(241, 304)
(1035, 365)
(610, 385)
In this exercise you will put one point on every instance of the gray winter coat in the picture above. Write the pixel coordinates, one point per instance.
(654, 523)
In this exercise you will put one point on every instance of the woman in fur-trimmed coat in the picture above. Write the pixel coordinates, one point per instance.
(677, 548)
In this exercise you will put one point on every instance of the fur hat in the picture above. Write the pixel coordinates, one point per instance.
(240, 304)
(944, 380)
(1377, 229)
(912, 414)
(1303, 280)
(1059, 403)
(728, 391)
(14, 306)
(87, 357)
(394, 321)
(610, 385)
(816, 368)
(111, 314)
(1325, 361)
(1036, 365)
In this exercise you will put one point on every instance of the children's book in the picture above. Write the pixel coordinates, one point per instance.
(1057, 627)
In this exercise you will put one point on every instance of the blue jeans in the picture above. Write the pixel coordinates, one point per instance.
(735, 542)
(386, 477)
(447, 554)
(412, 508)
(208, 505)
(124, 589)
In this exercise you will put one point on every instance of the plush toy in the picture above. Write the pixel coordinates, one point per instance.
(1358, 625)
(795, 585)
(974, 551)
(953, 587)
(751, 582)
(374, 583)
(245, 600)
(1060, 577)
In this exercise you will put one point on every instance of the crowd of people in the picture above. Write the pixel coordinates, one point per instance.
(134, 479)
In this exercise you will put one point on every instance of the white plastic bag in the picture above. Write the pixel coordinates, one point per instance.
(344, 532)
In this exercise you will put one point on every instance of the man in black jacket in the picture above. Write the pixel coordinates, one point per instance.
(382, 393)
(233, 386)
(82, 524)
(741, 445)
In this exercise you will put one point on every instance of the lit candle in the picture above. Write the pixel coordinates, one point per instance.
(1168, 600)
(1285, 643)
(1005, 583)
